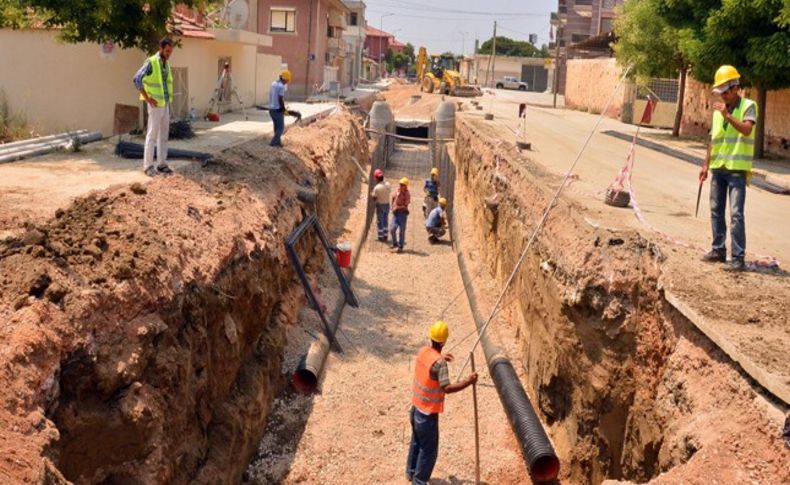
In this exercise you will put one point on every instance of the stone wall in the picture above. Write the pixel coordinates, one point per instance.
(589, 84)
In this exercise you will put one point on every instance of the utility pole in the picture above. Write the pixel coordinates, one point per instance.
(557, 65)
(493, 58)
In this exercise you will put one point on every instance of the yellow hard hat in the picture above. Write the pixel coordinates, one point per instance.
(286, 75)
(404, 181)
(434, 171)
(442, 201)
(724, 75)
(438, 332)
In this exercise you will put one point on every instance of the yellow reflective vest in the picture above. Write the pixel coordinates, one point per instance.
(730, 149)
(153, 82)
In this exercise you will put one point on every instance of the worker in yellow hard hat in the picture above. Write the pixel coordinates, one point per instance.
(436, 223)
(729, 158)
(400, 214)
(431, 383)
(431, 189)
(277, 106)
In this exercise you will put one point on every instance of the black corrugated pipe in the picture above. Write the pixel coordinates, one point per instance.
(541, 458)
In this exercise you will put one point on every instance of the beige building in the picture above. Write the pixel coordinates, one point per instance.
(57, 86)
(478, 69)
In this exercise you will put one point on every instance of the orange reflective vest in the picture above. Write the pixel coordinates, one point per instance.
(427, 394)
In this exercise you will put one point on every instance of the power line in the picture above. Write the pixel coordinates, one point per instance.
(429, 8)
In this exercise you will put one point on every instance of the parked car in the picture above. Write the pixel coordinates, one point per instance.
(510, 82)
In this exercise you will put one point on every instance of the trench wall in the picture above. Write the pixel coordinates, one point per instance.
(593, 340)
(145, 343)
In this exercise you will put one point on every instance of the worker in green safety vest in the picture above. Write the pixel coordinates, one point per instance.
(729, 160)
(154, 81)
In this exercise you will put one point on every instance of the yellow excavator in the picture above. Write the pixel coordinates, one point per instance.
(439, 74)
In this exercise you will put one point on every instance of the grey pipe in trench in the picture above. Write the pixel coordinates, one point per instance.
(305, 378)
(535, 446)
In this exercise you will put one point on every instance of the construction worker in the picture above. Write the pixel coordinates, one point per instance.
(277, 106)
(431, 383)
(729, 158)
(400, 213)
(381, 197)
(154, 81)
(436, 223)
(431, 189)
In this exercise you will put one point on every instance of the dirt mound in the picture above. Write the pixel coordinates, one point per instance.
(143, 326)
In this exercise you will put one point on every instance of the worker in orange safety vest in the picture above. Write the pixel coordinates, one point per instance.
(431, 383)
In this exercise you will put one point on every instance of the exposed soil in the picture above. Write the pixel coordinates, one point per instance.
(356, 430)
(399, 97)
(627, 386)
(143, 326)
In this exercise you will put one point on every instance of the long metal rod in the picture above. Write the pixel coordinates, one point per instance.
(543, 219)
(477, 426)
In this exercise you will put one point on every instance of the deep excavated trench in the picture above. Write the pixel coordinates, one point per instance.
(601, 349)
(181, 393)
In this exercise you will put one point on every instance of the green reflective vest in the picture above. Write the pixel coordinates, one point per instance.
(153, 82)
(730, 149)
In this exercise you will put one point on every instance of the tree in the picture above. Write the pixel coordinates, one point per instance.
(399, 60)
(408, 51)
(506, 46)
(750, 35)
(388, 58)
(544, 51)
(648, 43)
(128, 23)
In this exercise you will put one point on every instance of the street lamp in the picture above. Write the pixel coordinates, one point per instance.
(463, 42)
(381, 43)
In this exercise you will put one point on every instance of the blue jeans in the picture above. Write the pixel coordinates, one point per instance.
(424, 447)
(382, 218)
(734, 183)
(278, 119)
(398, 228)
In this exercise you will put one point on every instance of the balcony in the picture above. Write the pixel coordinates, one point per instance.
(337, 19)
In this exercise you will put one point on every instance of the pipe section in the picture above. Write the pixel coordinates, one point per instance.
(542, 460)
(45, 147)
(308, 372)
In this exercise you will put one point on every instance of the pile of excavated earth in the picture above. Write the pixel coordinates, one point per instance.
(149, 332)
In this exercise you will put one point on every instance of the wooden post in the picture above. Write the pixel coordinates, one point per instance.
(477, 426)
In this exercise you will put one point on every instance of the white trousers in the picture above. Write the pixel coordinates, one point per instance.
(158, 132)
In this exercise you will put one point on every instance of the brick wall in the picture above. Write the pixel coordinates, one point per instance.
(589, 84)
(697, 114)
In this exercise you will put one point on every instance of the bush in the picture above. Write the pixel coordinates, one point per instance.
(13, 126)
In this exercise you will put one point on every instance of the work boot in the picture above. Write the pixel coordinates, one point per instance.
(715, 256)
(164, 169)
(736, 265)
(150, 171)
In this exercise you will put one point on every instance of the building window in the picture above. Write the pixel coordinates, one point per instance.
(583, 2)
(576, 38)
(282, 20)
(352, 19)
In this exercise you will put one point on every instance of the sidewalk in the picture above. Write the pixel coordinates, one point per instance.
(361, 92)
(36, 188)
(773, 173)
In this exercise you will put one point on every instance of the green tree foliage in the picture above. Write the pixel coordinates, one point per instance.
(408, 51)
(129, 23)
(751, 35)
(506, 46)
(399, 60)
(646, 41)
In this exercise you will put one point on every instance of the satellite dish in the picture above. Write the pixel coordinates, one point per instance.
(238, 14)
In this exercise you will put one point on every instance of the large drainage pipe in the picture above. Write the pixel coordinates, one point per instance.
(535, 446)
(308, 372)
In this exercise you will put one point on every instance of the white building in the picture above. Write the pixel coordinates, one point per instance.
(354, 36)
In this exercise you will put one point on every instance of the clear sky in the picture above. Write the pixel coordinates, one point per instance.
(453, 25)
